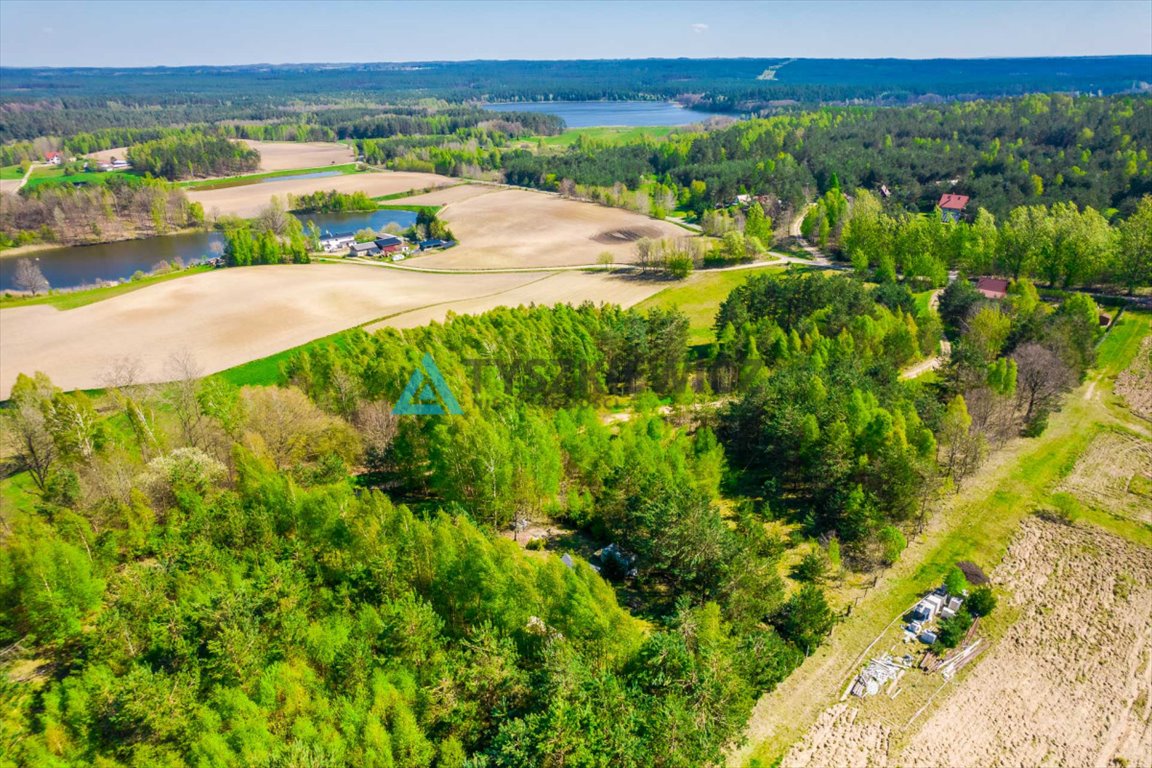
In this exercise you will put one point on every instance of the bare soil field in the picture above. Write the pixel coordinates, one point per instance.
(517, 228)
(274, 155)
(223, 318)
(1135, 384)
(549, 289)
(447, 195)
(287, 155)
(106, 155)
(1115, 475)
(1068, 684)
(247, 200)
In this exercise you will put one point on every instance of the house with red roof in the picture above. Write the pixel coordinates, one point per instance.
(952, 206)
(54, 157)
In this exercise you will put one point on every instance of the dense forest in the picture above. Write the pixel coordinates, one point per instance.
(191, 154)
(1001, 154)
(215, 575)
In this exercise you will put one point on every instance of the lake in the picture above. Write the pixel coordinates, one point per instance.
(73, 266)
(594, 114)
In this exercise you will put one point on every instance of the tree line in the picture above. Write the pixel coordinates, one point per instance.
(124, 207)
(191, 154)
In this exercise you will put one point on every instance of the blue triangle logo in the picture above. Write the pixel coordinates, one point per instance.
(427, 393)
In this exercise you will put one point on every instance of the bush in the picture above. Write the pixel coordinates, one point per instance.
(811, 567)
(981, 602)
(893, 542)
(955, 582)
(536, 544)
(953, 629)
(805, 619)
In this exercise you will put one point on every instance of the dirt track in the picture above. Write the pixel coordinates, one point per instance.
(1069, 684)
(232, 316)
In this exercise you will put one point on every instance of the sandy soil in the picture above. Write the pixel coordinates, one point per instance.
(1106, 475)
(106, 155)
(517, 228)
(228, 317)
(10, 186)
(546, 290)
(448, 195)
(839, 740)
(274, 155)
(1135, 384)
(286, 155)
(247, 200)
(224, 318)
(1069, 684)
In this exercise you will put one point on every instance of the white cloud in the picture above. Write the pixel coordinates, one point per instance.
(699, 28)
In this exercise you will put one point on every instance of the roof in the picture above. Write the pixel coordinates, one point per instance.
(358, 247)
(992, 287)
(953, 202)
(389, 240)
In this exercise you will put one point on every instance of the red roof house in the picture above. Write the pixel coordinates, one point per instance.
(992, 287)
(951, 206)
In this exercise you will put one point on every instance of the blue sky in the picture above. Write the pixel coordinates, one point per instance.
(173, 32)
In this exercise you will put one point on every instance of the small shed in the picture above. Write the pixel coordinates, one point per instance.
(928, 638)
(992, 287)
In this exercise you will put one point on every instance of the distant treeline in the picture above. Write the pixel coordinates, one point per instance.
(1002, 154)
(720, 83)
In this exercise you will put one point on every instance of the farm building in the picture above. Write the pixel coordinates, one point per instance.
(427, 245)
(992, 287)
(390, 243)
(336, 243)
(952, 206)
(363, 249)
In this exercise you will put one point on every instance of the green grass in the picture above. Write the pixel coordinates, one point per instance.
(923, 298)
(699, 297)
(72, 299)
(50, 176)
(267, 370)
(239, 181)
(17, 494)
(603, 135)
(11, 173)
(1119, 347)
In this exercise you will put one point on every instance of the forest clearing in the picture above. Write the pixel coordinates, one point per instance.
(975, 524)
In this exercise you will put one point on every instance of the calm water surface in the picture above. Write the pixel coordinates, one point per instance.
(593, 114)
(78, 265)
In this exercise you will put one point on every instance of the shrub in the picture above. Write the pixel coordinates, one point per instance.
(981, 602)
(955, 582)
(953, 629)
(811, 567)
(893, 542)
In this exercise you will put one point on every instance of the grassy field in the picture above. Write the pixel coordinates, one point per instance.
(603, 135)
(700, 296)
(11, 173)
(72, 299)
(238, 181)
(42, 176)
(267, 371)
(975, 524)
